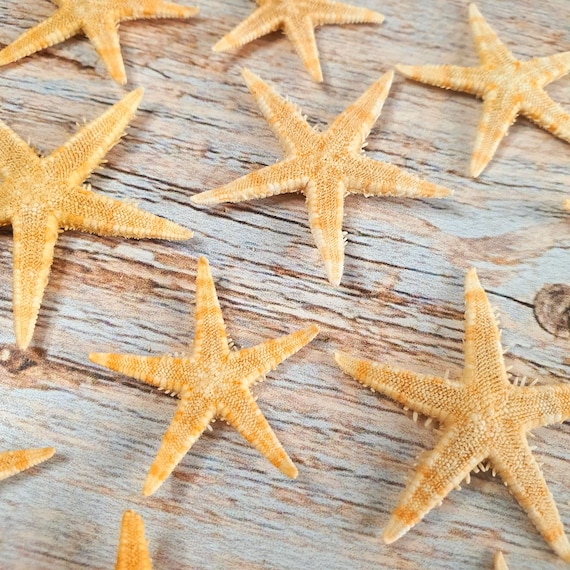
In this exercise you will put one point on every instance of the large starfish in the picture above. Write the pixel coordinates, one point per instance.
(12, 462)
(99, 21)
(40, 195)
(212, 382)
(297, 19)
(323, 166)
(133, 549)
(508, 87)
(483, 418)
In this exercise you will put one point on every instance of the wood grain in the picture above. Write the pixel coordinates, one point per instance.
(401, 298)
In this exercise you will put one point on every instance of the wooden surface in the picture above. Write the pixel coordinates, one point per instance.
(401, 298)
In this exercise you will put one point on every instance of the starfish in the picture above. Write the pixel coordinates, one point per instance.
(12, 462)
(508, 87)
(483, 418)
(297, 19)
(41, 195)
(99, 21)
(133, 548)
(323, 166)
(212, 382)
(500, 562)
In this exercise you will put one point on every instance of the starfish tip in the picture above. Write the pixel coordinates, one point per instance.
(101, 358)
(151, 485)
(406, 70)
(566, 204)
(471, 280)
(394, 530)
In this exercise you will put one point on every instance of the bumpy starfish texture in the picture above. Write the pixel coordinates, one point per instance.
(500, 563)
(212, 382)
(297, 19)
(133, 549)
(508, 87)
(12, 462)
(323, 166)
(99, 21)
(41, 195)
(483, 418)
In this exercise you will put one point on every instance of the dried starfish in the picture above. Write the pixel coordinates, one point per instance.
(12, 462)
(99, 21)
(500, 563)
(324, 166)
(212, 382)
(297, 19)
(483, 418)
(133, 548)
(509, 87)
(40, 195)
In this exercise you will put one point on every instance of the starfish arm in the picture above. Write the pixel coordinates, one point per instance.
(285, 118)
(282, 178)
(12, 462)
(15, 153)
(85, 210)
(457, 453)
(133, 548)
(428, 395)
(513, 460)
(372, 178)
(540, 108)
(550, 68)
(538, 406)
(136, 10)
(340, 13)
(57, 28)
(246, 417)
(193, 415)
(157, 371)
(35, 234)
(325, 204)
(466, 79)
(104, 35)
(483, 350)
(82, 153)
(353, 125)
(259, 360)
(301, 33)
(264, 20)
(490, 48)
(500, 563)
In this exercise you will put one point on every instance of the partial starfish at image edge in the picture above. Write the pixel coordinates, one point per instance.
(12, 462)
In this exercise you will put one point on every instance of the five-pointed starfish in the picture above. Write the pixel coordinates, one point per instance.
(297, 19)
(324, 166)
(99, 21)
(483, 418)
(509, 87)
(212, 382)
(40, 195)
(133, 549)
(12, 462)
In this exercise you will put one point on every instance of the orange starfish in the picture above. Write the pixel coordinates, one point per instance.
(40, 195)
(297, 19)
(509, 87)
(483, 418)
(12, 462)
(133, 549)
(99, 21)
(323, 166)
(212, 382)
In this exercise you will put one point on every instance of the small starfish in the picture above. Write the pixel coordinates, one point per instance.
(509, 87)
(40, 195)
(212, 382)
(500, 563)
(12, 462)
(323, 166)
(483, 418)
(297, 19)
(99, 21)
(133, 549)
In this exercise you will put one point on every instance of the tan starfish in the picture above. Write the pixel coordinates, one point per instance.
(323, 166)
(212, 382)
(500, 563)
(40, 195)
(99, 21)
(133, 549)
(12, 462)
(509, 87)
(483, 418)
(297, 19)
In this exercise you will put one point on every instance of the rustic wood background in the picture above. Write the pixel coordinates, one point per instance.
(401, 298)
